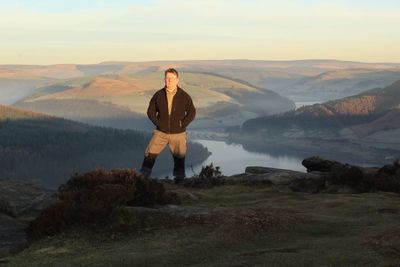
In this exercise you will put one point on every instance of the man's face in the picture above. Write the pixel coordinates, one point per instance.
(171, 81)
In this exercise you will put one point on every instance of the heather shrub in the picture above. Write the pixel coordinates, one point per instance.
(208, 177)
(391, 169)
(90, 200)
(387, 178)
(349, 175)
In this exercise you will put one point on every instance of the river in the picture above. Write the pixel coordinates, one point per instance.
(233, 159)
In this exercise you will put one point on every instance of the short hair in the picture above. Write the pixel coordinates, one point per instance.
(172, 70)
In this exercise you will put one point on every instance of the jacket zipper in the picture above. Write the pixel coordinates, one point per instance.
(169, 119)
(172, 108)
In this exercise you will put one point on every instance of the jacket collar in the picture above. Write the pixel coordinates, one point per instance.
(178, 89)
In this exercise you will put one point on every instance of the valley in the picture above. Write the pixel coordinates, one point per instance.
(339, 113)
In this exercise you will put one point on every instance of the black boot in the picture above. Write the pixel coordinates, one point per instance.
(179, 169)
(147, 165)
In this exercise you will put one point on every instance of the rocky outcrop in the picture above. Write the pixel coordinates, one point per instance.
(317, 164)
(19, 203)
(355, 179)
(325, 176)
(272, 176)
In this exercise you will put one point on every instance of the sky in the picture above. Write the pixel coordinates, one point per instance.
(90, 31)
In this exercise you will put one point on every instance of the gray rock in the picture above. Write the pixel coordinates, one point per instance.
(20, 202)
(266, 170)
(272, 176)
(25, 198)
(318, 164)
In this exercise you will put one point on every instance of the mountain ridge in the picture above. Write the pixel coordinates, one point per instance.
(122, 92)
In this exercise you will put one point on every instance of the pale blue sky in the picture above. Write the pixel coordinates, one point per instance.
(49, 32)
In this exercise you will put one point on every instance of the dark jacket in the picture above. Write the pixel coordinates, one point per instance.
(182, 111)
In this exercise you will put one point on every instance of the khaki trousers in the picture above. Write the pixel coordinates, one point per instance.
(176, 143)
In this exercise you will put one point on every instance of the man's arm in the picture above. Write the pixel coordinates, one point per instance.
(152, 111)
(190, 113)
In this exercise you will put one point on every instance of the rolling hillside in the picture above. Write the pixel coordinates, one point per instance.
(340, 83)
(362, 129)
(390, 120)
(127, 96)
(300, 80)
(47, 150)
(363, 108)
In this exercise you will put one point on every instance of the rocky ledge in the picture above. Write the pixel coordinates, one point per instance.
(19, 203)
(325, 176)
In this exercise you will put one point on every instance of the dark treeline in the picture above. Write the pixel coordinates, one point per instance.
(49, 150)
(89, 111)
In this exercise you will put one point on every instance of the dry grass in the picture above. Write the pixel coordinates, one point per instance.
(89, 200)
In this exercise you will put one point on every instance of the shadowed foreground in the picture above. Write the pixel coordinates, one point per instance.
(234, 224)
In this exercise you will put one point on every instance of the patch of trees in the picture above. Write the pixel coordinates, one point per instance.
(48, 151)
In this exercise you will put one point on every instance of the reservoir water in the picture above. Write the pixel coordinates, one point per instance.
(233, 159)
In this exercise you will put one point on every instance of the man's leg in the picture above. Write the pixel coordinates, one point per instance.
(178, 147)
(154, 148)
(179, 168)
(148, 163)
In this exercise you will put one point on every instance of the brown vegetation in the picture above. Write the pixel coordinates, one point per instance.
(363, 105)
(209, 176)
(387, 178)
(90, 200)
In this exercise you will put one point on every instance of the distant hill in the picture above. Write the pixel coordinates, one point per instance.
(306, 80)
(103, 98)
(363, 129)
(340, 83)
(14, 88)
(47, 150)
(387, 122)
(90, 111)
(57, 71)
(299, 80)
(373, 107)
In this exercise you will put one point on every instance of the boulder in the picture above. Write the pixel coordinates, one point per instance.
(270, 176)
(316, 163)
(19, 203)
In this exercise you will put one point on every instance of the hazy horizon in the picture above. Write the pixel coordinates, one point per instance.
(189, 60)
(89, 32)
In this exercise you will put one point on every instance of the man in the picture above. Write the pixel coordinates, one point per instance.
(171, 110)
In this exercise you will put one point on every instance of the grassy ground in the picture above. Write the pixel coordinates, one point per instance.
(251, 226)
